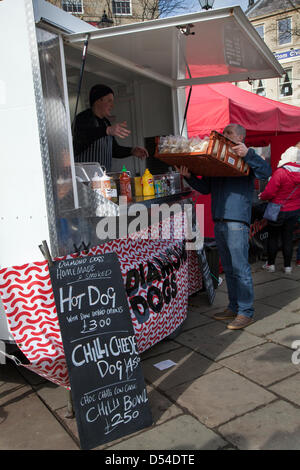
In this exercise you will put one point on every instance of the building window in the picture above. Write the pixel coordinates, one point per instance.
(284, 31)
(73, 6)
(259, 87)
(121, 7)
(286, 84)
(260, 28)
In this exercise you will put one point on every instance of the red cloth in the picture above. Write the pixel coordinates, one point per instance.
(214, 106)
(281, 185)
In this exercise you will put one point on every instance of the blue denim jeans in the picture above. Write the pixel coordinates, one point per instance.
(232, 240)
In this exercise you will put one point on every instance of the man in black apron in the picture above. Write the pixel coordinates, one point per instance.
(94, 135)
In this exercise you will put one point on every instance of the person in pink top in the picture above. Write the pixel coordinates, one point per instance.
(283, 188)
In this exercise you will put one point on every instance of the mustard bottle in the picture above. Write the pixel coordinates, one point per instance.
(148, 184)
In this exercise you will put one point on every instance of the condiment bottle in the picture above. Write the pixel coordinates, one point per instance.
(148, 185)
(172, 183)
(125, 185)
(114, 190)
(158, 185)
(96, 181)
(165, 186)
(105, 186)
(138, 186)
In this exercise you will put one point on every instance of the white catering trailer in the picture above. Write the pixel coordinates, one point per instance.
(148, 65)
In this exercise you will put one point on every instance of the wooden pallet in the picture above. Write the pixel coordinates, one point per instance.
(218, 160)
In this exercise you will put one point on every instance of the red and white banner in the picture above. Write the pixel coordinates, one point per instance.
(159, 275)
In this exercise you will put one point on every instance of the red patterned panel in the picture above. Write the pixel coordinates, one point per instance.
(27, 296)
(28, 300)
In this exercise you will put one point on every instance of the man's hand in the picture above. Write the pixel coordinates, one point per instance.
(118, 130)
(140, 152)
(184, 171)
(240, 149)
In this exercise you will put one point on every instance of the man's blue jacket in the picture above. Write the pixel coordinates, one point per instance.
(231, 197)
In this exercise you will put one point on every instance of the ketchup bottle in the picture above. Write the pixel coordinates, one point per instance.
(125, 184)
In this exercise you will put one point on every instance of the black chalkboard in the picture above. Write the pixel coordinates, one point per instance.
(107, 385)
(206, 274)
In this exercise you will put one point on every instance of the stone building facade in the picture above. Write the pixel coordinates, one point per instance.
(117, 11)
(278, 23)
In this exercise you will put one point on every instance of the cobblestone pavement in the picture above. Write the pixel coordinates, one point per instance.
(227, 389)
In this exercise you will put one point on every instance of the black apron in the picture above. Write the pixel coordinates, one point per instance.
(99, 151)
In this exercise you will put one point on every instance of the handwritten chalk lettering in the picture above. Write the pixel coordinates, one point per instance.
(132, 402)
(99, 312)
(96, 259)
(129, 403)
(71, 318)
(118, 419)
(95, 296)
(118, 369)
(105, 408)
(107, 393)
(95, 350)
(84, 316)
(131, 365)
(83, 354)
(109, 311)
(100, 344)
(75, 271)
(72, 262)
(72, 301)
(124, 388)
(112, 369)
(123, 345)
(88, 399)
(93, 325)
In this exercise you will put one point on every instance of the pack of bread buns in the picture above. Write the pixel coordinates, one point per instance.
(210, 156)
(180, 144)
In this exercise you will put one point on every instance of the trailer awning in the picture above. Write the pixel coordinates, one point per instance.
(218, 46)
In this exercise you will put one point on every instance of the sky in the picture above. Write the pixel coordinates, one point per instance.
(225, 3)
(194, 5)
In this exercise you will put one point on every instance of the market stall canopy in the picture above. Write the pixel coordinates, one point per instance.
(206, 47)
(212, 107)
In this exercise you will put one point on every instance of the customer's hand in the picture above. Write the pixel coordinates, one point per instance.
(118, 130)
(140, 152)
(240, 149)
(184, 171)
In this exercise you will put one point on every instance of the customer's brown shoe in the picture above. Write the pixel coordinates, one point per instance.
(226, 315)
(241, 321)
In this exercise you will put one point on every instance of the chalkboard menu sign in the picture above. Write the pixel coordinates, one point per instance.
(208, 283)
(108, 389)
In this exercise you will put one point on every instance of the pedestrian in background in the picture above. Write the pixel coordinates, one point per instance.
(298, 249)
(283, 188)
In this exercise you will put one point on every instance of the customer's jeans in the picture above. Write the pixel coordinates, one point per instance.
(232, 240)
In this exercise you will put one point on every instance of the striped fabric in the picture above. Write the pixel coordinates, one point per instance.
(99, 151)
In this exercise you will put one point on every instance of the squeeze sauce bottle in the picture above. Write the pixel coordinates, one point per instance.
(96, 182)
(148, 184)
(125, 184)
(105, 186)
